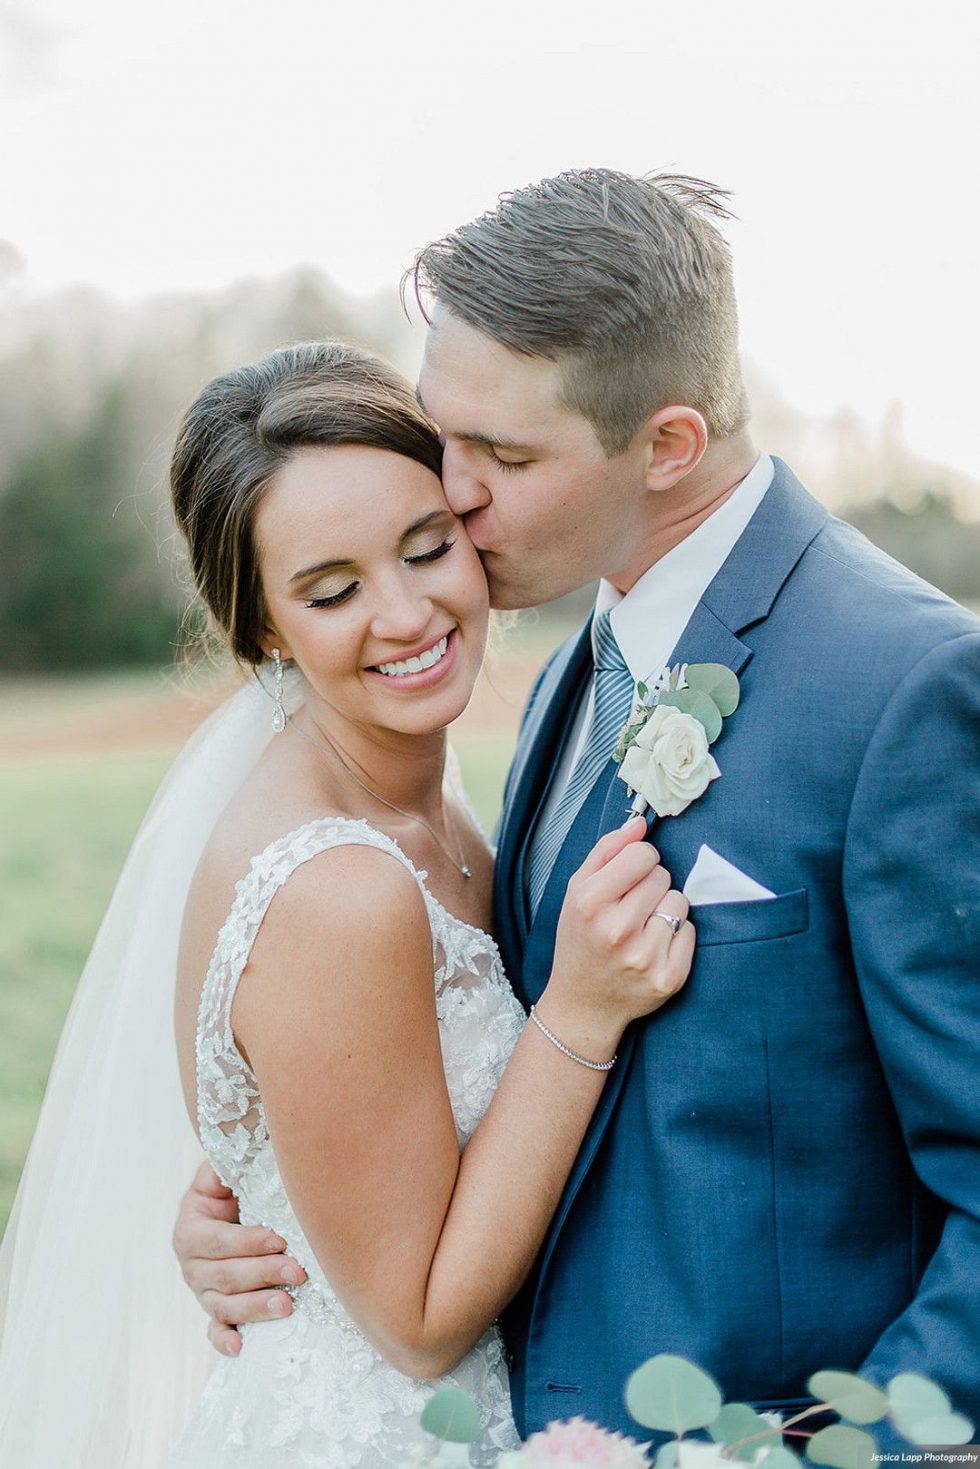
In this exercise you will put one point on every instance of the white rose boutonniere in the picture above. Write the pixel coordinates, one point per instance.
(663, 750)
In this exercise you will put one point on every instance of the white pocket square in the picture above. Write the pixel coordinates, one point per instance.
(713, 880)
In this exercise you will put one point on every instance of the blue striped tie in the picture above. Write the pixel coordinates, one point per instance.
(613, 702)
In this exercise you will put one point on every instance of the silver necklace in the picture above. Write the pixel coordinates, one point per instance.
(328, 748)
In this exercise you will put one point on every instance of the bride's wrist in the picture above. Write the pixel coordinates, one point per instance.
(582, 1029)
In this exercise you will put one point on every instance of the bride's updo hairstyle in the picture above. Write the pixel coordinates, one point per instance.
(244, 426)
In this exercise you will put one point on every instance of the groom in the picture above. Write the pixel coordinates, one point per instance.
(784, 1171)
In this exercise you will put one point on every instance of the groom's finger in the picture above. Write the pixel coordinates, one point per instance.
(236, 1310)
(203, 1237)
(232, 1275)
(224, 1339)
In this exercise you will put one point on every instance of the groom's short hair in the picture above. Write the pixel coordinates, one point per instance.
(625, 282)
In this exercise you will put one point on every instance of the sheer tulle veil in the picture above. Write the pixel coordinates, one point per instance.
(103, 1348)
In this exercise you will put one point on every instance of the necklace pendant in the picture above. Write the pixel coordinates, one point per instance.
(466, 872)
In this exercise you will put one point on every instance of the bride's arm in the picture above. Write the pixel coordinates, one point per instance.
(337, 1014)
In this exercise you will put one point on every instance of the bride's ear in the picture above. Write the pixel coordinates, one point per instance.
(270, 639)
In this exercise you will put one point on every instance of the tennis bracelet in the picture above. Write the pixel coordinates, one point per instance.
(572, 1055)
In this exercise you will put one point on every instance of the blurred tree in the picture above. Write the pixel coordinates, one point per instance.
(927, 536)
(80, 587)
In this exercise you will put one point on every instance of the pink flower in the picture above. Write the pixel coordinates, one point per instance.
(576, 1442)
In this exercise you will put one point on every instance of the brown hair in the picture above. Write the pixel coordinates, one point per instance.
(625, 282)
(244, 426)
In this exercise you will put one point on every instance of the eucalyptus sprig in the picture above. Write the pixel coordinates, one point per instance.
(672, 1395)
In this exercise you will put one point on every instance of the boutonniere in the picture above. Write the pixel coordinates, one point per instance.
(663, 749)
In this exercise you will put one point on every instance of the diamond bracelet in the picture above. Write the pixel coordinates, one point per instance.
(572, 1055)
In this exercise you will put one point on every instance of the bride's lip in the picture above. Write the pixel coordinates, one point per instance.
(426, 677)
(416, 652)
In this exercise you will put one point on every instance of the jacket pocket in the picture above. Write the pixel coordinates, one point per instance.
(746, 923)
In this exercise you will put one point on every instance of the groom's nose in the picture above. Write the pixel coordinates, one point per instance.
(462, 481)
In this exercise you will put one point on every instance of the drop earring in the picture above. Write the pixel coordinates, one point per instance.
(278, 712)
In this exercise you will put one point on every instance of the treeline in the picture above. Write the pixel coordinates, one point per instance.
(91, 570)
(90, 397)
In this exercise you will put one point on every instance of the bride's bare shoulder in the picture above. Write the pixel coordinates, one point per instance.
(273, 801)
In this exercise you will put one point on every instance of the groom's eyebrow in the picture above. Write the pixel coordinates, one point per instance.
(491, 441)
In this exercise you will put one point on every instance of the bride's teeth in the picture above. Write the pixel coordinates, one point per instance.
(416, 665)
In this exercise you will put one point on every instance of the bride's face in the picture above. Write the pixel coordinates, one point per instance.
(372, 586)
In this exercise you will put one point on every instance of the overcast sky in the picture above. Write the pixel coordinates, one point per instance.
(192, 143)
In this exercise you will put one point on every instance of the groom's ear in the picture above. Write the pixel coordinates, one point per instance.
(674, 440)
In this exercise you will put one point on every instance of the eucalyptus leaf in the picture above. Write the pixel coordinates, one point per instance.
(913, 1396)
(452, 1415)
(842, 1447)
(671, 1394)
(850, 1396)
(667, 1455)
(642, 691)
(779, 1457)
(678, 699)
(718, 682)
(700, 706)
(737, 1421)
(947, 1428)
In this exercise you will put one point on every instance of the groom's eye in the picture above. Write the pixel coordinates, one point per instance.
(506, 463)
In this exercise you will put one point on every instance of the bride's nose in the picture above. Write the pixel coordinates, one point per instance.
(401, 613)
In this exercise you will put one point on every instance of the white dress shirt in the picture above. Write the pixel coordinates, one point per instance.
(649, 620)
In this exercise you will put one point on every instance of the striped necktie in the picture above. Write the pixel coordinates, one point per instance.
(612, 704)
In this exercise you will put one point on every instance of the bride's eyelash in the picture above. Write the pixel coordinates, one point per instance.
(335, 600)
(433, 555)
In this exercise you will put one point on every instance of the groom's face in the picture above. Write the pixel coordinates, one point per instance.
(546, 509)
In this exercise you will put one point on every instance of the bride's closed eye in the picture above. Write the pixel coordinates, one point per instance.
(425, 557)
(434, 555)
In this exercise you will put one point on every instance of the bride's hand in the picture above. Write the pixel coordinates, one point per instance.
(615, 958)
(233, 1269)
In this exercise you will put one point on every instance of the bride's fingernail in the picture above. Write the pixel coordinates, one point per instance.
(277, 1306)
(275, 1245)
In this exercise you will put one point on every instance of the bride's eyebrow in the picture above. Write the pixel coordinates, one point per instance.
(338, 563)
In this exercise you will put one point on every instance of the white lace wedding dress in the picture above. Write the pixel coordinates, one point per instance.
(310, 1392)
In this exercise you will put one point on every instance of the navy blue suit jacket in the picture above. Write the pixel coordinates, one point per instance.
(783, 1172)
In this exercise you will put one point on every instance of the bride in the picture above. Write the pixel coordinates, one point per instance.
(358, 1069)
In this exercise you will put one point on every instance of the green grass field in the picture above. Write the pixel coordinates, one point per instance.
(64, 829)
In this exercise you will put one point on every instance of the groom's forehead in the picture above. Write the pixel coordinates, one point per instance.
(468, 379)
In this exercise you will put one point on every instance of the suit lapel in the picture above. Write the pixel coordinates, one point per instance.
(540, 744)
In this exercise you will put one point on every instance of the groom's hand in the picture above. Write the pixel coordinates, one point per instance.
(232, 1268)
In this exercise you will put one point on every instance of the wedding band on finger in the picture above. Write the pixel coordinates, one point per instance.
(676, 924)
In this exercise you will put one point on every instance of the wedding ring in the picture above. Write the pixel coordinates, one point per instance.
(676, 924)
